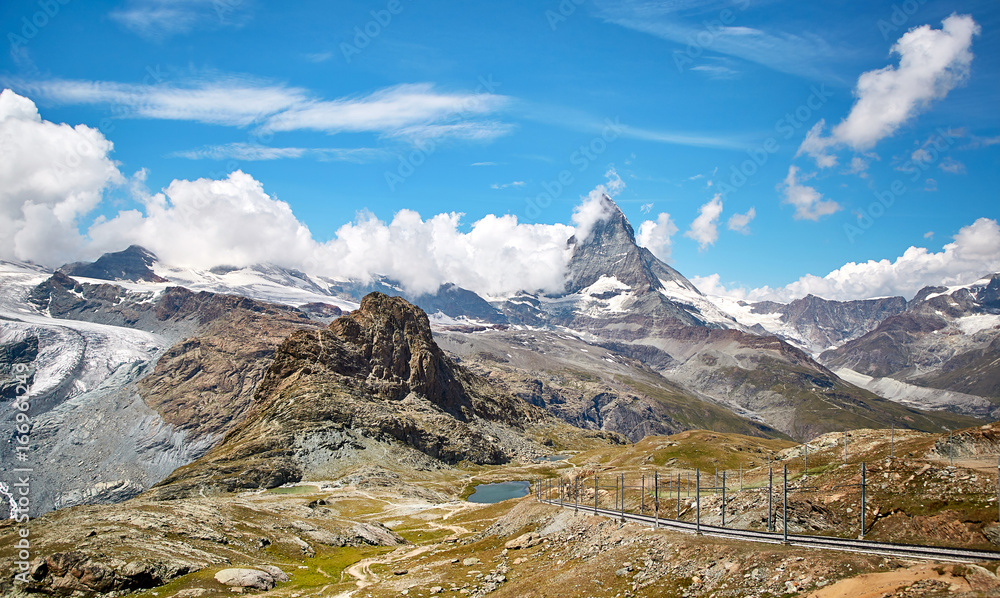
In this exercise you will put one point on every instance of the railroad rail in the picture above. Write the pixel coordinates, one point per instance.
(911, 551)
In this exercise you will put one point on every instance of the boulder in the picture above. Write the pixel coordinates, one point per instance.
(245, 578)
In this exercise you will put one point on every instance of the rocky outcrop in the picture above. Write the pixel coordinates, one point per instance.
(373, 377)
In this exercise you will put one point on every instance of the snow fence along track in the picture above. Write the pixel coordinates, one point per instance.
(932, 553)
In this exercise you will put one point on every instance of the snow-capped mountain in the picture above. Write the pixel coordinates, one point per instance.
(615, 289)
(948, 339)
(812, 323)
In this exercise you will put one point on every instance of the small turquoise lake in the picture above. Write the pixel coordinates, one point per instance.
(491, 493)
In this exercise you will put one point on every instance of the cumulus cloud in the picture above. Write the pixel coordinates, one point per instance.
(809, 203)
(205, 223)
(973, 253)
(741, 222)
(655, 235)
(50, 176)
(932, 62)
(498, 255)
(705, 227)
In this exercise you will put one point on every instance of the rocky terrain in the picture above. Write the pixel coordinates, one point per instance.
(592, 386)
(372, 532)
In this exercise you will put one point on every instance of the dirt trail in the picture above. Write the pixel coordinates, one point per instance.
(874, 585)
(361, 570)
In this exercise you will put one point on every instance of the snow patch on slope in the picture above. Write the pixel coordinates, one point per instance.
(975, 323)
(918, 396)
(704, 307)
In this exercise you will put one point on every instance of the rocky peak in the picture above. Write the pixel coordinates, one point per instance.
(133, 264)
(392, 340)
(610, 250)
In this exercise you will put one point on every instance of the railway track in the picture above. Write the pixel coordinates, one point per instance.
(931, 553)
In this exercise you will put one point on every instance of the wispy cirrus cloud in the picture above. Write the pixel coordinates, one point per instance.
(161, 19)
(393, 110)
(228, 100)
(411, 112)
(684, 22)
(251, 152)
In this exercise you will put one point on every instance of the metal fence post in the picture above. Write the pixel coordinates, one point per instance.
(623, 497)
(723, 499)
(845, 447)
(678, 497)
(805, 461)
(784, 505)
(697, 500)
(595, 494)
(642, 496)
(770, 497)
(656, 498)
(863, 500)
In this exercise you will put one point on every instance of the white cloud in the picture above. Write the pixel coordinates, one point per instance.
(951, 165)
(809, 203)
(413, 112)
(251, 152)
(160, 19)
(410, 109)
(497, 256)
(929, 234)
(686, 23)
(594, 209)
(974, 252)
(319, 57)
(705, 227)
(230, 100)
(206, 223)
(655, 235)
(932, 62)
(50, 176)
(741, 222)
(506, 185)
(921, 155)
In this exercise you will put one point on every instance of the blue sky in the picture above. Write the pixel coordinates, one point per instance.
(483, 107)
